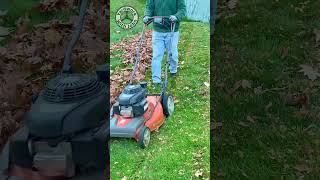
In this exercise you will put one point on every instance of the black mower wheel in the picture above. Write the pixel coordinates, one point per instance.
(144, 137)
(168, 104)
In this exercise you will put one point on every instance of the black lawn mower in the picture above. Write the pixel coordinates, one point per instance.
(65, 134)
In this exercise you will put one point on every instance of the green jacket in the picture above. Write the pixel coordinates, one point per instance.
(166, 8)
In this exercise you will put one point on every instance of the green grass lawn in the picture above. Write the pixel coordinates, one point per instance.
(264, 42)
(181, 147)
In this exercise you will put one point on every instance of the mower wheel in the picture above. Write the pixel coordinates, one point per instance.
(168, 104)
(144, 137)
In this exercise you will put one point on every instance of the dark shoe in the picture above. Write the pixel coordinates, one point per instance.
(173, 75)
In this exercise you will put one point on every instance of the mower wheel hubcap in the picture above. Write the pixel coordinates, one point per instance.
(146, 137)
(170, 105)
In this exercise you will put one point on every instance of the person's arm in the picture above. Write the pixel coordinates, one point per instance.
(181, 13)
(149, 8)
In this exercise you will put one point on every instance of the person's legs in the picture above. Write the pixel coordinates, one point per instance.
(158, 45)
(174, 50)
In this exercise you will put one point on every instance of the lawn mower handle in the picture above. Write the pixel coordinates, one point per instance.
(154, 17)
(141, 39)
(67, 68)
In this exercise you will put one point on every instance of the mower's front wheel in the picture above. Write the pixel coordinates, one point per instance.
(144, 137)
(168, 105)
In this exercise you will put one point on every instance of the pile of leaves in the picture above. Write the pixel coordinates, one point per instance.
(121, 77)
(31, 58)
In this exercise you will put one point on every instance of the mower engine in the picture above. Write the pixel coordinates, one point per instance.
(66, 130)
(132, 102)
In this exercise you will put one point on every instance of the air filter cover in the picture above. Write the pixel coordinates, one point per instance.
(71, 87)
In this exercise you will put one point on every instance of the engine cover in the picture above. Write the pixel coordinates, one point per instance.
(68, 105)
(132, 94)
(132, 101)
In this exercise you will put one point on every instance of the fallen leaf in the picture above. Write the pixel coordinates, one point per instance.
(252, 119)
(317, 34)
(33, 63)
(4, 31)
(52, 36)
(268, 106)
(302, 114)
(258, 90)
(54, 5)
(241, 154)
(22, 24)
(216, 125)
(181, 172)
(232, 4)
(310, 72)
(295, 99)
(198, 173)
(245, 84)
(284, 52)
(302, 168)
(243, 124)
(3, 13)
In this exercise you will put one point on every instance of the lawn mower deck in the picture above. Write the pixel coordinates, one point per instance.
(129, 127)
(136, 114)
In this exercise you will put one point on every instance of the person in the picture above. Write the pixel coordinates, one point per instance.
(175, 10)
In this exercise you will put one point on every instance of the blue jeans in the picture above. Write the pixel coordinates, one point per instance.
(160, 43)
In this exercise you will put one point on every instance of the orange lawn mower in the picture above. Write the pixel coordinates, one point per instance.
(136, 113)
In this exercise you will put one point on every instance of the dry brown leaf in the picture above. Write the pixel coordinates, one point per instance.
(241, 154)
(317, 36)
(258, 90)
(312, 73)
(268, 106)
(198, 173)
(4, 31)
(33, 63)
(3, 13)
(232, 4)
(216, 125)
(302, 114)
(252, 119)
(243, 124)
(22, 24)
(284, 52)
(54, 5)
(296, 99)
(120, 77)
(244, 84)
(302, 168)
(52, 36)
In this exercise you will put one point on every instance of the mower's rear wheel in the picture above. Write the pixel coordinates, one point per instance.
(168, 104)
(144, 137)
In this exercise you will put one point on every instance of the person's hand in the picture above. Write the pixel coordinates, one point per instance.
(173, 18)
(146, 19)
